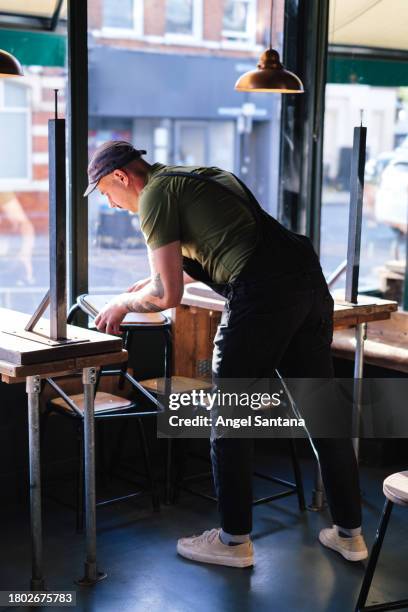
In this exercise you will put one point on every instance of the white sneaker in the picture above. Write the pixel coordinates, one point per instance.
(208, 548)
(352, 549)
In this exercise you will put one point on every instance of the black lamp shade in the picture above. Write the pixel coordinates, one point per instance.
(270, 76)
(9, 65)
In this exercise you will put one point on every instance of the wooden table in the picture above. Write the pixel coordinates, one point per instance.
(30, 360)
(196, 319)
(195, 323)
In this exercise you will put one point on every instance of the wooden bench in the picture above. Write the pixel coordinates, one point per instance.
(386, 345)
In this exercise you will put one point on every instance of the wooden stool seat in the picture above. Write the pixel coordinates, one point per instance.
(148, 318)
(179, 384)
(103, 402)
(395, 488)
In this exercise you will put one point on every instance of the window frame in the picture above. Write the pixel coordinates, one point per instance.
(197, 26)
(17, 183)
(138, 24)
(249, 35)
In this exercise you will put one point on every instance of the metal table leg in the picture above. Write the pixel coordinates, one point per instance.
(361, 335)
(92, 575)
(318, 499)
(33, 384)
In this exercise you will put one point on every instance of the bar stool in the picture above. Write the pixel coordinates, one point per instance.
(113, 405)
(175, 480)
(176, 384)
(395, 488)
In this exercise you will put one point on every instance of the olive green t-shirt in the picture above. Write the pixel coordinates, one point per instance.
(215, 228)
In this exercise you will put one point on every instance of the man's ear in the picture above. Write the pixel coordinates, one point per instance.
(122, 176)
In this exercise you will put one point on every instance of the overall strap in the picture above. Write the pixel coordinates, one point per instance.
(269, 230)
(254, 205)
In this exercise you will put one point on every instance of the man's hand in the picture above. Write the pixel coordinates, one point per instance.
(164, 289)
(111, 316)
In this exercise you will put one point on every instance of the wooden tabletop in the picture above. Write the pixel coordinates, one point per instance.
(28, 356)
(345, 314)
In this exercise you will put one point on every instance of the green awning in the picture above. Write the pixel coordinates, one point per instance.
(380, 72)
(34, 48)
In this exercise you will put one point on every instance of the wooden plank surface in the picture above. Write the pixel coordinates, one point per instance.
(345, 314)
(11, 373)
(386, 345)
(23, 351)
(195, 322)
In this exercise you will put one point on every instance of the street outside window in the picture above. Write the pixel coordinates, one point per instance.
(15, 152)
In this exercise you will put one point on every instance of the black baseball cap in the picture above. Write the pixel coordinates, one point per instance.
(108, 157)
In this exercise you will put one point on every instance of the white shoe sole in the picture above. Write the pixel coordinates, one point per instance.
(193, 555)
(347, 554)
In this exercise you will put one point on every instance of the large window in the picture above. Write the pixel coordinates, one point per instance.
(15, 130)
(181, 107)
(26, 104)
(373, 83)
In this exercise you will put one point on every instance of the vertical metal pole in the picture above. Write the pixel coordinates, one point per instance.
(355, 213)
(318, 499)
(33, 384)
(304, 52)
(361, 334)
(77, 115)
(372, 564)
(91, 572)
(57, 214)
(405, 289)
(405, 294)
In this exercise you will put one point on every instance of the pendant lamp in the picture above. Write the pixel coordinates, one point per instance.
(9, 65)
(270, 75)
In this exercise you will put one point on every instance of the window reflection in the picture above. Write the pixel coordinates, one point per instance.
(26, 105)
(170, 90)
(372, 79)
(385, 194)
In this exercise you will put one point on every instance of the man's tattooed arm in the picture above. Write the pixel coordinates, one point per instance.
(158, 289)
(149, 299)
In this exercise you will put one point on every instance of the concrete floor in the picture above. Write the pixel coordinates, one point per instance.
(136, 547)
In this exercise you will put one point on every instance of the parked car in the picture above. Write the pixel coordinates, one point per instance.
(391, 202)
(375, 167)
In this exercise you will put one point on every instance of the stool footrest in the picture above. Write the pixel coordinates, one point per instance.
(393, 605)
(274, 497)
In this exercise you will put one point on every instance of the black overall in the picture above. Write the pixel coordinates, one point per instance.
(278, 314)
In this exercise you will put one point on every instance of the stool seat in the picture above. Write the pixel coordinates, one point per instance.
(395, 488)
(103, 402)
(92, 304)
(179, 384)
(148, 318)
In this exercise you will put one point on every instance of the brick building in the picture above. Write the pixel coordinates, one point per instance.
(161, 74)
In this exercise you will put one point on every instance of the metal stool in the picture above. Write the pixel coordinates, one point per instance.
(175, 384)
(290, 488)
(175, 482)
(395, 488)
(112, 406)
